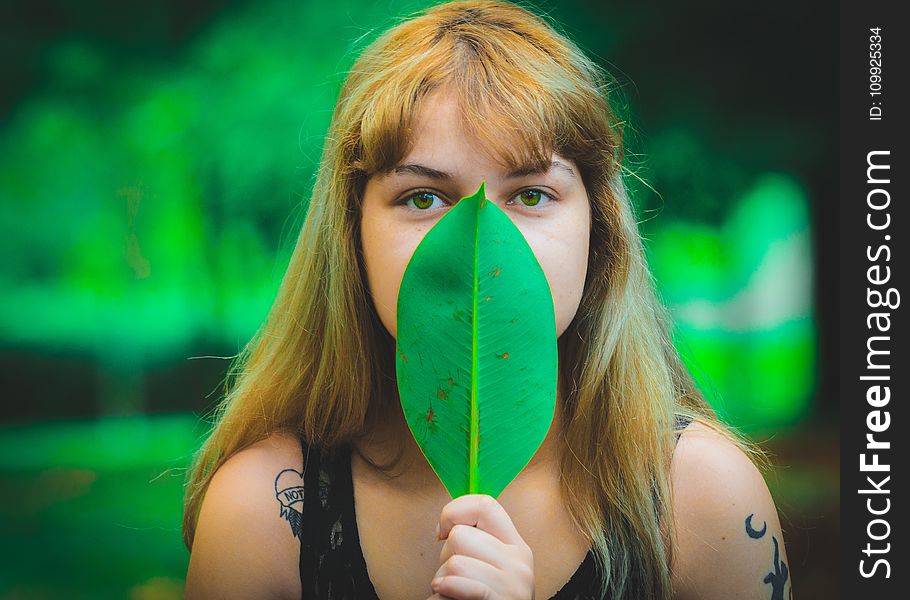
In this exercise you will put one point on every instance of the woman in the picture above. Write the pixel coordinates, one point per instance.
(615, 503)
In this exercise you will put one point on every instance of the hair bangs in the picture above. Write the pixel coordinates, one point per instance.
(519, 93)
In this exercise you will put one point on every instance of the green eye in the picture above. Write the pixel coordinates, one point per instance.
(530, 197)
(422, 200)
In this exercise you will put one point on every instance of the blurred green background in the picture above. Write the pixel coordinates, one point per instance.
(155, 164)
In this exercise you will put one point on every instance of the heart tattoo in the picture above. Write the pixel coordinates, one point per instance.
(289, 492)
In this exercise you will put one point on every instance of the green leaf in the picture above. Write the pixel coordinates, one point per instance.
(476, 358)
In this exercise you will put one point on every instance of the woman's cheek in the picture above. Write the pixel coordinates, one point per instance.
(393, 272)
(389, 262)
(565, 267)
(380, 274)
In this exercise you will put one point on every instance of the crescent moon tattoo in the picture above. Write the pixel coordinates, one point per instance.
(753, 533)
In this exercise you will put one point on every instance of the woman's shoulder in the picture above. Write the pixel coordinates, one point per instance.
(247, 536)
(728, 536)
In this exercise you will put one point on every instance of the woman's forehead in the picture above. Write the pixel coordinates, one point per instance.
(446, 125)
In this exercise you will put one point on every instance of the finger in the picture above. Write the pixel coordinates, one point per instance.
(477, 543)
(470, 568)
(462, 588)
(482, 511)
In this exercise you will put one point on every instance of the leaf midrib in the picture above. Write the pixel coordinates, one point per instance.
(474, 441)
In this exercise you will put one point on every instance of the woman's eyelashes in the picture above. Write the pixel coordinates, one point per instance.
(427, 200)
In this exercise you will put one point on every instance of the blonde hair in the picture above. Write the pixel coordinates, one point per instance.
(322, 364)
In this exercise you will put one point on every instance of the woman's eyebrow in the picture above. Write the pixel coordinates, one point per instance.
(537, 170)
(424, 170)
(523, 171)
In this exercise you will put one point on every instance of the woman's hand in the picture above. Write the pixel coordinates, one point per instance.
(483, 558)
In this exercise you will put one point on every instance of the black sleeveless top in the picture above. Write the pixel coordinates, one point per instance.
(332, 566)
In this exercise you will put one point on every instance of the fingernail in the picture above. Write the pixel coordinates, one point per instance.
(437, 531)
(435, 582)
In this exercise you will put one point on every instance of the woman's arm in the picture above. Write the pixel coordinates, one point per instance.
(243, 546)
(729, 541)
